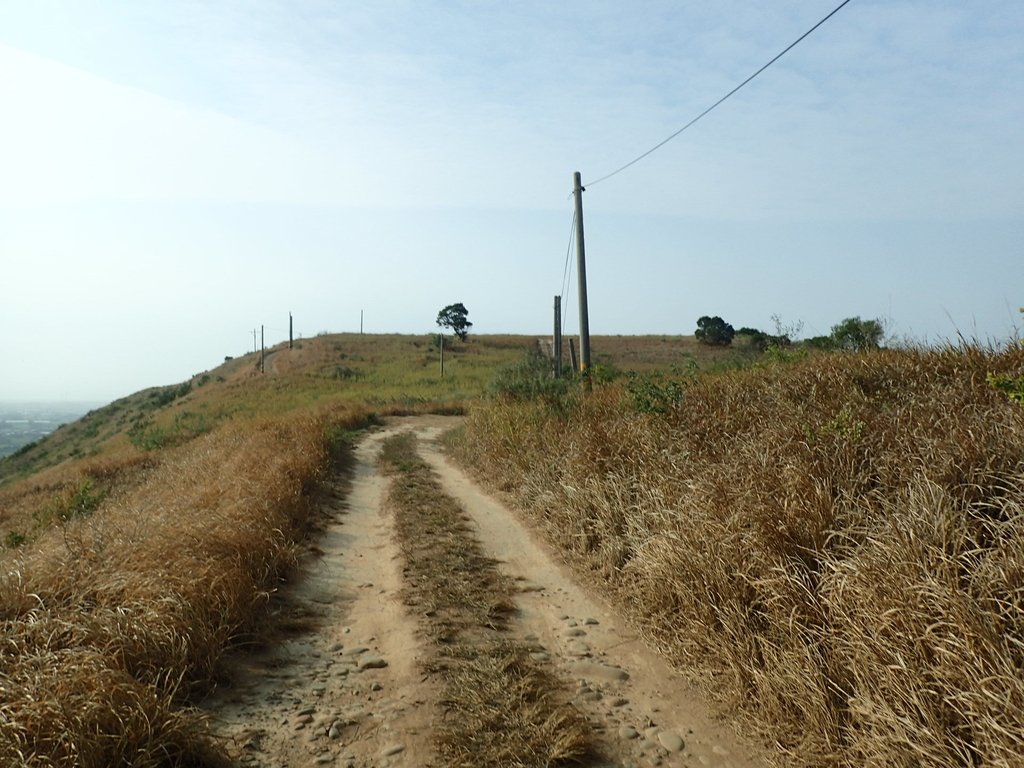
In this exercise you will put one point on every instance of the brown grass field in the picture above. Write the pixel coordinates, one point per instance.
(833, 545)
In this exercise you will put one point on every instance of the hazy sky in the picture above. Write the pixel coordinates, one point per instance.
(175, 173)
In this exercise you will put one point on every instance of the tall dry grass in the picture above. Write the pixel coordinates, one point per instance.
(835, 547)
(111, 623)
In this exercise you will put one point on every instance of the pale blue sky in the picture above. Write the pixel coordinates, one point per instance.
(174, 173)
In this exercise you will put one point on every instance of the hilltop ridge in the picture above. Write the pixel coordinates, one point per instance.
(389, 372)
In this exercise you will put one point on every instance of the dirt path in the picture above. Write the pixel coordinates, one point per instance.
(344, 687)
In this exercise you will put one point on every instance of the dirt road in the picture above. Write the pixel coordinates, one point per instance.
(343, 686)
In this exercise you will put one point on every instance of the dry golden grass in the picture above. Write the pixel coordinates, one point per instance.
(834, 547)
(501, 707)
(110, 622)
(137, 544)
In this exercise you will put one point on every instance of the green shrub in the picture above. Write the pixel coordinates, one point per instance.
(856, 335)
(25, 448)
(345, 373)
(167, 395)
(1013, 386)
(149, 436)
(714, 331)
(821, 342)
(653, 393)
(77, 501)
(532, 379)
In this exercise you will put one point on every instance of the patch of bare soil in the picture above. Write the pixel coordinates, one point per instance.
(343, 684)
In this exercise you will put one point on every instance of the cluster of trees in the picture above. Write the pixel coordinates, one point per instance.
(852, 335)
(714, 331)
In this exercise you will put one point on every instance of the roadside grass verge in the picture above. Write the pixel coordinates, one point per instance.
(834, 547)
(112, 622)
(502, 707)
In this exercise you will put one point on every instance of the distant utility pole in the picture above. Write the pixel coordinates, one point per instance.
(581, 272)
(263, 352)
(360, 322)
(557, 341)
(290, 338)
(441, 337)
(255, 349)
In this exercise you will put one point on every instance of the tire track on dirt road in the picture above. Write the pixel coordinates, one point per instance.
(646, 710)
(345, 686)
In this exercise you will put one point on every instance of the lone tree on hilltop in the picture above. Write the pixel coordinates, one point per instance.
(454, 316)
(856, 335)
(714, 331)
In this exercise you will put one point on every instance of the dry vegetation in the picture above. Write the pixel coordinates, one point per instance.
(139, 543)
(383, 373)
(114, 616)
(502, 707)
(834, 546)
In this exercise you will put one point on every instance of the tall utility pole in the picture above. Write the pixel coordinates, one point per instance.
(360, 322)
(289, 330)
(255, 349)
(557, 341)
(581, 272)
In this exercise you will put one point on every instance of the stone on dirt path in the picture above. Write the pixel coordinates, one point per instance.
(671, 741)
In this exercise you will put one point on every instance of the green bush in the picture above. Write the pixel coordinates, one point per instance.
(714, 331)
(653, 393)
(856, 335)
(77, 501)
(532, 379)
(167, 395)
(821, 342)
(1013, 386)
(345, 373)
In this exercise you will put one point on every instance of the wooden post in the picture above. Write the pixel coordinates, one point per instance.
(441, 336)
(290, 337)
(557, 340)
(581, 275)
(572, 355)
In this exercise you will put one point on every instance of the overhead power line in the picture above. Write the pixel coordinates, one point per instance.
(568, 250)
(778, 56)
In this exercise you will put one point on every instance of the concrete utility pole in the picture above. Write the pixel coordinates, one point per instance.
(557, 340)
(581, 272)
(290, 330)
(255, 349)
(360, 322)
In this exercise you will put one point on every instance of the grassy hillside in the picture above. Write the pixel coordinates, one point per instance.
(389, 373)
(139, 543)
(834, 546)
(385, 372)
